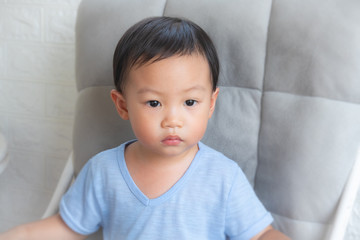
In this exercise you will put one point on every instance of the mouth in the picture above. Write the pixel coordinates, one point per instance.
(172, 140)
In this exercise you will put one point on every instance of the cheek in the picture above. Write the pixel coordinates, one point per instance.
(143, 126)
(199, 132)
(199, 124)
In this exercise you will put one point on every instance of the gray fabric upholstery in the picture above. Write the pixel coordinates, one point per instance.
(97, 125)
(100, 25)
(289, 105)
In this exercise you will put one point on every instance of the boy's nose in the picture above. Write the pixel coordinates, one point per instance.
(172, 120)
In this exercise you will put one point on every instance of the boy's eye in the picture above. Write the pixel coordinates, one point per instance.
(153, 103)
(190, 102)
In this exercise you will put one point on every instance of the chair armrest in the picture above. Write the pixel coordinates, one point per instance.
(62, 186)
(346, 204)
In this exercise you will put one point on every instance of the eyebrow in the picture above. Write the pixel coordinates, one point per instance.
(147, 90)
(151, 90)
(196, 88)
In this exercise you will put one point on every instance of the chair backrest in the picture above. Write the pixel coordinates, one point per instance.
(289, 105)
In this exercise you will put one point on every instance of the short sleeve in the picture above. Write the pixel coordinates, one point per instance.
(245, 214)
(80, 207)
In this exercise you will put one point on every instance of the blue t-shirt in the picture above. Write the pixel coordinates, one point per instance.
(213, 200)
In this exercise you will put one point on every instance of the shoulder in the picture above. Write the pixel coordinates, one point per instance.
(105, 156)
(215, 166)
(104, 161)
(215, 159)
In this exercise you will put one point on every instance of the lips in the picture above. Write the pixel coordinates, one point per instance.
(172, 140)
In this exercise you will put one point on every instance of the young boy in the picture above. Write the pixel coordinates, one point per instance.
(165, 184)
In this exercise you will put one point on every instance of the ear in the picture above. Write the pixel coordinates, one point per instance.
(214, 96)
(120, 104)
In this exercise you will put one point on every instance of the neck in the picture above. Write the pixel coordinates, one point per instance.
(139, 154)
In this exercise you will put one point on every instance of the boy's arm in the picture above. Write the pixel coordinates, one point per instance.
(270, 233)
(50, 228)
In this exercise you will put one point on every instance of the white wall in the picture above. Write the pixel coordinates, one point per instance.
(37, 95)
(37, 74)
(37, 90)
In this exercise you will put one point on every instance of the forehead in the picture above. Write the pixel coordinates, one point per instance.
(180, 71)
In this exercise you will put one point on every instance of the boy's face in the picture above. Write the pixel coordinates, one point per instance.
(168, 103)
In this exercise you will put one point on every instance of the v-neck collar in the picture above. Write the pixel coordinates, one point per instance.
(138, 193)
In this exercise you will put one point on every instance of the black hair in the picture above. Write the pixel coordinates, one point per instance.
(157, 38)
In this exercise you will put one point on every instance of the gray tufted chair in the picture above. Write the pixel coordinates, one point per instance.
(288, 111)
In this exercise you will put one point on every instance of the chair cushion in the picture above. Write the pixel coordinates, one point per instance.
(288, 111)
